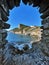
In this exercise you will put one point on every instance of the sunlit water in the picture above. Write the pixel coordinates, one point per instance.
(18, 38)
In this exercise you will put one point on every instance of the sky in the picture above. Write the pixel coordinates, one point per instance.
(24, 14)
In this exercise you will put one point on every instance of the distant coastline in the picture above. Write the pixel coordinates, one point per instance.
(34, 31)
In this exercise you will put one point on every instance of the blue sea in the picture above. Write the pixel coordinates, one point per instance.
(18, 38)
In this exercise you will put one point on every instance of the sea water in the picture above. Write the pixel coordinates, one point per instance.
(11, 37)
(19, 40)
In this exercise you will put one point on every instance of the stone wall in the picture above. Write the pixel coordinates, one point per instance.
(5, 5)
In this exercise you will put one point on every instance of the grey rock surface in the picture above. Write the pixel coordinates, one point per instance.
(33, 57)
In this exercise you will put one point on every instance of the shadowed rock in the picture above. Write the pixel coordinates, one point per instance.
(17, 2)
(4, 15)
(26, 47)
(4, 35)
(6, 26)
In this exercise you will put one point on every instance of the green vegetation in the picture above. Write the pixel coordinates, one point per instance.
(15, 29)
(20, 28)
(23, 26)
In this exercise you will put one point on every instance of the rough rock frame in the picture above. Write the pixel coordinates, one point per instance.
(43, 6)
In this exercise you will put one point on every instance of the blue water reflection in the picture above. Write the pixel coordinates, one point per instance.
(18, 37)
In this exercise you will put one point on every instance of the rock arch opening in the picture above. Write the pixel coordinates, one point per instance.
(24, 14)
(43, 5)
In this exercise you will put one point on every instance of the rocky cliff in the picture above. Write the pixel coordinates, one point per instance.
(33, 31)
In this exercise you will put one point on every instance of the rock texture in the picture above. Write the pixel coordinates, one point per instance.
(6, 59)
(45, 36)
(33, 56)
(3, 33)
